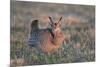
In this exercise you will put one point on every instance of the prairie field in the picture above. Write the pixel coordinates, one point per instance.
(78, 26)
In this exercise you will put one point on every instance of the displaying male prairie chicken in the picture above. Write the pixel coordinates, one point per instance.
(48, 39)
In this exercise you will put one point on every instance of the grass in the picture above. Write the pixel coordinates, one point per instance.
(81, 45)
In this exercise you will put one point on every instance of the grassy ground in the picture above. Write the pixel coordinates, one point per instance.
(78, 25)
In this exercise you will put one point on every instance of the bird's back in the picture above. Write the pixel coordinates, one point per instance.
(39, 37)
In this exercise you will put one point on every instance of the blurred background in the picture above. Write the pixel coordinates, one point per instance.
(78, 26)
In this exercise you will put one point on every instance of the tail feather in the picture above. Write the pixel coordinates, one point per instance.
(33, 39)
(34, 25)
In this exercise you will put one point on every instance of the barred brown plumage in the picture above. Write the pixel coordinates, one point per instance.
(49, 39)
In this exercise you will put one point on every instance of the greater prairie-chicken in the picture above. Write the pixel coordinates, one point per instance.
(48, 39)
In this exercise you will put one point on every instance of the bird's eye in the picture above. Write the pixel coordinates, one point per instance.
(55, 24)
